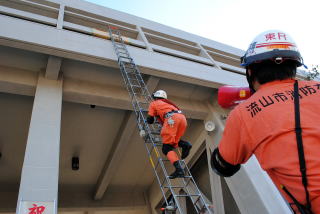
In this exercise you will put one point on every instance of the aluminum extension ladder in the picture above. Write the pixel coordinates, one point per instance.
(140, 98)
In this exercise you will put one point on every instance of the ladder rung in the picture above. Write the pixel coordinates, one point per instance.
(157, 142)
(190, 195)
(186, 176)
(136, 86)
(130, 63)
(134, 77)
(131, 69)
(135, 83)
(120, 52)
(143, 103)
(128, 71)
(120, 46)
(173, 186)
(155, 133)
(125, 57)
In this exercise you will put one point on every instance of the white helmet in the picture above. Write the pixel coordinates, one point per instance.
(160, 94)
(272, 45)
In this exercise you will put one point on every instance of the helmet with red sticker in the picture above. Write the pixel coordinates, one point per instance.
(274, 45)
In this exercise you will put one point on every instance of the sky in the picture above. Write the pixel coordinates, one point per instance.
(234, 22)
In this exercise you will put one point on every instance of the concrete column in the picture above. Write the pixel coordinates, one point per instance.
(60, 16)
(143, 37)
(39, 179)
(215, 182)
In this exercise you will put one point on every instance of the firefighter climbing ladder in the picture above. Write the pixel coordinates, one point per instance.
(140, 97)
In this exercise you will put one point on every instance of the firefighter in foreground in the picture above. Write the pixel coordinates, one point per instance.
(174, 124)
(279, 123)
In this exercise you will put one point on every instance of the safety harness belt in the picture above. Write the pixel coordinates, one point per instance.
(302, 162)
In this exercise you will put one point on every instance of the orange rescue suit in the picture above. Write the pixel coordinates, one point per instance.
(264, 125)
(170, 134)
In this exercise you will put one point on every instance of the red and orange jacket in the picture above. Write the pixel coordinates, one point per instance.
(264, 125)
(158, 108)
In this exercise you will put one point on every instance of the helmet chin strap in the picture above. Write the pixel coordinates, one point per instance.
(250, 81)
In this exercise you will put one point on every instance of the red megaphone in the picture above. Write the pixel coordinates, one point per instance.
(230, 96)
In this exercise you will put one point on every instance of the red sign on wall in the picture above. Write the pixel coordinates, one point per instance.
(36, 207)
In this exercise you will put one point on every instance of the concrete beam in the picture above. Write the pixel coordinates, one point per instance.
(91, 49)
(152, 83)
(53, 67)
(19, 81)
(119, 146)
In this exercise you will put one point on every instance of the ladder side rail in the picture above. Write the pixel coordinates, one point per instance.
(135, 66)
(196, 189)
(170, 188)
(194, 200)
(134, 101)
(133, 85)
(162, 166)
(134, 96)
(157, 176)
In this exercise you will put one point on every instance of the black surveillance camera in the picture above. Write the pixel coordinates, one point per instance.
(75, 163)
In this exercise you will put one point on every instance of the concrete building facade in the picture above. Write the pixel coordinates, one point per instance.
(62, 99)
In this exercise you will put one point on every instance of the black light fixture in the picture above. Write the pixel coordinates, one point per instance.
(75, 163)
(92, 106)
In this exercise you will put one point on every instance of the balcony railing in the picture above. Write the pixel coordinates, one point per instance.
(86, 22)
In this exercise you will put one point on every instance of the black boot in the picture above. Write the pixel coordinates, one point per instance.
(186, 147)
(179, 171)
